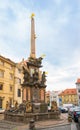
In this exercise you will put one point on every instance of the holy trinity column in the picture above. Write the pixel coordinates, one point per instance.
(34, 80)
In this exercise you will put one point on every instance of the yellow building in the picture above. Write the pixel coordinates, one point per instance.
(7, 71)
(11, 78)
(18, 79)
(69, 96)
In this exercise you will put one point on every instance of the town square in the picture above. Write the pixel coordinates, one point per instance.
(39, 65)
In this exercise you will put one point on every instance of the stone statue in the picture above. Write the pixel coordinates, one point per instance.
(35, 76)
(28, 107)
(43, 78)
(26, 75)
(22, 107)
(39, 60)
(16, 105)
(7, 105)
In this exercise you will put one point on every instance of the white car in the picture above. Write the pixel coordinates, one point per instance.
(2, 110)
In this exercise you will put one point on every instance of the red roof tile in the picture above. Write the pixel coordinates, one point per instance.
(69, 92)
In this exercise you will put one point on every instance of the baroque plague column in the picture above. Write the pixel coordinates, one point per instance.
(34, 80)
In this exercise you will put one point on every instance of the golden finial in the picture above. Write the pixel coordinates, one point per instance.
(32, 15)
(43, 55)
(46, 72)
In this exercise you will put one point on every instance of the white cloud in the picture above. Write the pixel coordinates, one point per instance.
(59, 78)
(56, 36)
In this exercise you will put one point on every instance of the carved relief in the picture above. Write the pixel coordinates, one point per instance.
(37, 61)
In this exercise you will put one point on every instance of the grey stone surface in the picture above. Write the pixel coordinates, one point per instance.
(7, 125)
(60, 127)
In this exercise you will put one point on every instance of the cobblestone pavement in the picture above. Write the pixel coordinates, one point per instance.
(7, 125)
(60, 127)
(71, 126)
(60, 124)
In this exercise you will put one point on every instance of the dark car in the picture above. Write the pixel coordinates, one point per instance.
(79, 120)
(76, 114)
(72, 111)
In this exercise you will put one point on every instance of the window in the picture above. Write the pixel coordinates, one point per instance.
(0, 102)
(10, 101)
(11, 88)
(1, 62)
(11, 76)
(1, 73)
(11, 67)
(18, 81)
(19, 92)
(1, 86)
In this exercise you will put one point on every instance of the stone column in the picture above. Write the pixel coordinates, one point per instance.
(32, 53)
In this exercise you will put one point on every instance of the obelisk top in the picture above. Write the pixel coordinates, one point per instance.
(32, 49)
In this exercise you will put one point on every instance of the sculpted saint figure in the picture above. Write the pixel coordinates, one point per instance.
(43, 78)
(35, 75)
(26, 75)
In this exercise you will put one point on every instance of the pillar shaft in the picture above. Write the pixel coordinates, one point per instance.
(32, 53)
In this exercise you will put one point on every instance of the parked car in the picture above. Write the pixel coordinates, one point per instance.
(72, 110)
(2, 110)
(76, 114)
(63, 109)
(79, 120)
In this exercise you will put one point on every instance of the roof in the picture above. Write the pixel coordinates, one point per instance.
(71, 91)
(7, 60)
(78, 81)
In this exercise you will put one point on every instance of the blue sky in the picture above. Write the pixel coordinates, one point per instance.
(57, 25)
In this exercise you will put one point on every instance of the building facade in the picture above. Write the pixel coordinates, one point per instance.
(11, 78)
(7, 72)
(78, 90)
(18, 80)
(47, 97)
(69, 96)
(54, 97)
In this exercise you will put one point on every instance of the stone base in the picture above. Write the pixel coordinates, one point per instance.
(25, 118)
(40, 108)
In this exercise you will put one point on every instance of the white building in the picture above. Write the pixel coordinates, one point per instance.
(78, 90)
(54, 97)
